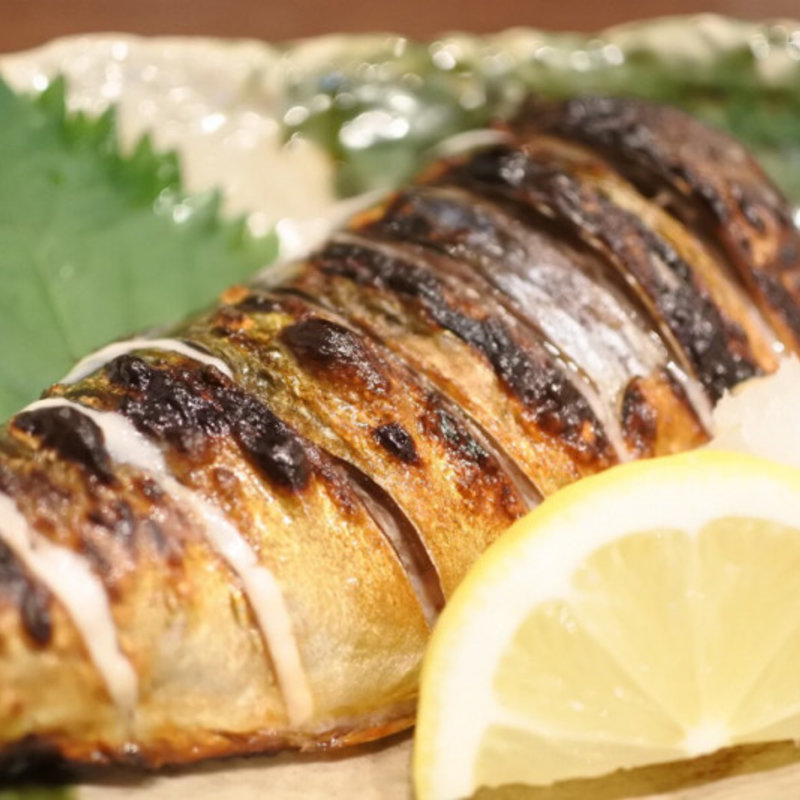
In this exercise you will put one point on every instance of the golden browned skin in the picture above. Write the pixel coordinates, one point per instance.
(521, 317)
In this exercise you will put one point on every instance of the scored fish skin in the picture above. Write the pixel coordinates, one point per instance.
(704, 177)
(748, 333)
(375, 417)
(566, 292)
(648, 262)
(202, 667)
(371, 413)
(542, 422)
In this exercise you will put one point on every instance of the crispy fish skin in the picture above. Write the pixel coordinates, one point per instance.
(370, 412)
(507, 382)
(206, 685)
(704, 177)
(652, 266)
(708, 271)
(564, 291)
(363, 427)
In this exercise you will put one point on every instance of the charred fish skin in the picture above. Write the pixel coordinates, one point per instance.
(184, 618)
(563, 290)
(465, 350)
(236, 539)
(704, 177)
(707, 269)
(648, 262)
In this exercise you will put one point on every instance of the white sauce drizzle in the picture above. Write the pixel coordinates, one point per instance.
(70, 579)
(126, 445)
(94, 361)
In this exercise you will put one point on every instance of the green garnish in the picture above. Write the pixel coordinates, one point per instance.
(50, 793)
(429, 91)
(95, 244)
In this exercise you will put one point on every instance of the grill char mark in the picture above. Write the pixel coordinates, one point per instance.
(460, 225)
(554, 403)
(29, 596)
(118, 518)
(445, 488)
(462, 229)
(534, 462)
(184, 407)
(488, 236)
(395, 439)
(479, 241)
(320, 344)
(746, 331)
(450, 231)
(457, 428)
(688, 318)
(711, 183)
(113, 525)
(72, 436)
(640, 418)
(202, 462)
(348, 360)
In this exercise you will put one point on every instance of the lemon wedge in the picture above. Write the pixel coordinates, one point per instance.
(647, 614)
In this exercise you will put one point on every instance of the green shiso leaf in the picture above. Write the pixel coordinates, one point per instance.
(95, 244)
(33, 793)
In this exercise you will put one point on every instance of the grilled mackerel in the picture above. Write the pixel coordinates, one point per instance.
(236, 539)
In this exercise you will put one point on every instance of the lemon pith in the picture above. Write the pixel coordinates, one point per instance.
(646, 614)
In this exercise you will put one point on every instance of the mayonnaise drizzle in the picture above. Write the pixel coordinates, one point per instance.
(126, 445)
(94, 361)
(70, 579)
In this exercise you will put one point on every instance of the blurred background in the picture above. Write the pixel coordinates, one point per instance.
(25, 23)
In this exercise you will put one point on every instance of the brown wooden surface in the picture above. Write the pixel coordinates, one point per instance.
(25, 23)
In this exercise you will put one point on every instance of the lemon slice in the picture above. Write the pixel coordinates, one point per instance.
(647, 614)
